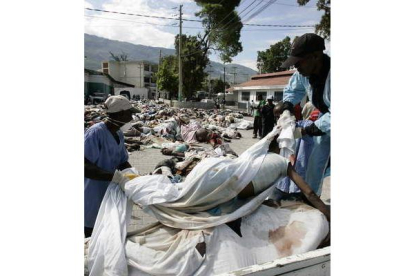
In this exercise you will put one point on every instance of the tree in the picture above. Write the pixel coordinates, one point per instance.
(217, 86)
(120, 57)
(167, 76)
(222, 28)
(324, 26)
(194, 61)
(271, 59)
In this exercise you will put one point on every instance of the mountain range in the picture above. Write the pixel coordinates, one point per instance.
(97, 50)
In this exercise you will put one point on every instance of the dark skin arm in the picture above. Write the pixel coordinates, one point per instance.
(310, 195)
(94, 172)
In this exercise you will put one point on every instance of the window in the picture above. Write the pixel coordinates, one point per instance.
(245, 96)
(105, 64)
(146, 67)
(278, 96)
(264, 95)
(146, 79)
(105, 70)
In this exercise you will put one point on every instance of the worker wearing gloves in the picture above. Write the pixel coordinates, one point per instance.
(105, 156)
(312, 79)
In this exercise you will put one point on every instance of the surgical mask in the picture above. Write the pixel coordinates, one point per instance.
(123, 126)
(126, 127)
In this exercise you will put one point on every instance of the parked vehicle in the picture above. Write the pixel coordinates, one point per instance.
(98, 97)
(207, 101)
(133, 93)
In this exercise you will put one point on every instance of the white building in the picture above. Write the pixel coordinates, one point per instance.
(138, 73)
(264, 84)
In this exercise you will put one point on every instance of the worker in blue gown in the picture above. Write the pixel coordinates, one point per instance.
(312, 78)
(105, 156)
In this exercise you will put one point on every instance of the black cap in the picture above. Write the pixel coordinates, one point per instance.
(307, 43)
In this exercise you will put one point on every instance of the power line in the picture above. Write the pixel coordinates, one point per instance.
(125, 20)
(143, 15)
(193, 20)
(229, 22)
(292, 27)
(297, 6)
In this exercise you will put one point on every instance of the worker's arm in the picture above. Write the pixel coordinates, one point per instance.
(294, 91)
(308, 192)
(94, 172)
(124, 166)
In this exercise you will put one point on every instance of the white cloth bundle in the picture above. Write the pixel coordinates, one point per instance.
(213, 183)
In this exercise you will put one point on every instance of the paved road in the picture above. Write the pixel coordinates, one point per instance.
(146, 159)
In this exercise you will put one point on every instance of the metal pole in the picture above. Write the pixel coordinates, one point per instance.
(180, 65)
(209, 83)
(157, 96)
(234, 74)
(224, 98)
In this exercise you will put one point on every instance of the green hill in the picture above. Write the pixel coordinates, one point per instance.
(97, 50)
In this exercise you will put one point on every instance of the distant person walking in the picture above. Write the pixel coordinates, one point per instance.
(252, 104)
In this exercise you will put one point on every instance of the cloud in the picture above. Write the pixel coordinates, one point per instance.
(246, 62)
(120, 27)
(181, 1)
(88, 5)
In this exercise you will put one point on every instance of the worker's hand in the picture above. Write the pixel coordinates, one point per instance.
(120, 179)
(287, 106)
(312, 130)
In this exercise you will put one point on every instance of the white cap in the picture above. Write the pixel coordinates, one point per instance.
(118, 103)
(269, 97)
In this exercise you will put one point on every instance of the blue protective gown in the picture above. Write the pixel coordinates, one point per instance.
(101, 149)
(297, 88)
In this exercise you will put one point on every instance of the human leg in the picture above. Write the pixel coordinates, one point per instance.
(255, 126)
(260, 127)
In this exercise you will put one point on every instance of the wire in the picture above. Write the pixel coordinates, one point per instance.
(224, 26)
(258, 25)
(297, 6)
(125, 20)
(291, 27)
(143, 15)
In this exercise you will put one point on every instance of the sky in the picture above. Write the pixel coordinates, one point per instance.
(161, 32)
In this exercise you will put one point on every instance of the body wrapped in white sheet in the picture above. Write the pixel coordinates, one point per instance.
(196, 212)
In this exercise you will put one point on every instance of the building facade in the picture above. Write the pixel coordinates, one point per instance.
(139, 73)
(99, 82)
(263, 84)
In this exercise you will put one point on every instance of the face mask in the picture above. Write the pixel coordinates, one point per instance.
(126, 127)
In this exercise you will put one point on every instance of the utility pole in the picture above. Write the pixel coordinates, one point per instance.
(209, 82)
(234, 74)
(180, 65)
(224, 97)
(156, 84)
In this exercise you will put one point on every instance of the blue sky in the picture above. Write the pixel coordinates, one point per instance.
(141, 30)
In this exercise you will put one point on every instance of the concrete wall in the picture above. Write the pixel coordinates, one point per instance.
(178, 104)
(129, 72)
(253, 94)
(193, 105)
(142, 92)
